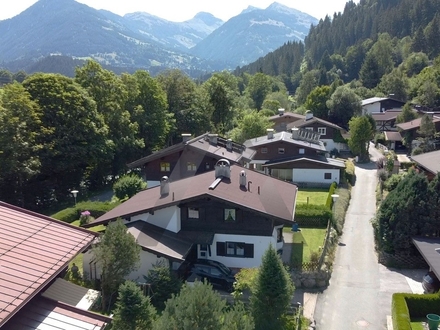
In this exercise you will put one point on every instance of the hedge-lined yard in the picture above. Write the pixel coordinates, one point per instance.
(316, 196)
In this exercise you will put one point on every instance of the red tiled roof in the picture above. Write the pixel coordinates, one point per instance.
(44, 313)
(267, 195)
(33, 250)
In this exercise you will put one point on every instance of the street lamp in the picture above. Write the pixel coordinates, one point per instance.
(335, 197)
(74, 193)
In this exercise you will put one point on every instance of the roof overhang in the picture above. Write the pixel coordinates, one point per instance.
(429, 248)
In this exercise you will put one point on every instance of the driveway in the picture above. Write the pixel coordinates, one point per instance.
(360, 290)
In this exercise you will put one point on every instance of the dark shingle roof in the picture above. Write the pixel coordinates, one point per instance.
(429, 248)
(34, 249)
(267, 195)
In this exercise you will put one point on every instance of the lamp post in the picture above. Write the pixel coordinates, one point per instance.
(74, 193)
(335, 197)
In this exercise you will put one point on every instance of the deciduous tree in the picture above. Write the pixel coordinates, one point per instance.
(117, 255)
(361, 133)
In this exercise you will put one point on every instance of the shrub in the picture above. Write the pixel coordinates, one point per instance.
(417, 151)
(67, 215)
(340, 208)
(379, 138)
(331, 191)
(128, 186)
(311, 211)
(393, 181)
(350, 174)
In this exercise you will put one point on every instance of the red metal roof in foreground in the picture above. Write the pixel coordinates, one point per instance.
(44, 313)
(33, 250)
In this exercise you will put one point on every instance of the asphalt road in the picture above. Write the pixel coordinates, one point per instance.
(359, 294)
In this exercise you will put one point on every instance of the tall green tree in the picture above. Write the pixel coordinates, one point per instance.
(258, 88)
(361, 132)
(317, 101)
(394, 83)
(343, 104)
(199, 307)
(111, 96)
(117, 255)
(133, 310)
(20, 122)
(406, 115)
(149, 110)
(252, 124)
(426, 133)
(403, 214)
(272, 294)
(73, 135)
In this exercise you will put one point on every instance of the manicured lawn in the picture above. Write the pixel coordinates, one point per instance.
(305, 242)
(316, 196)
(416, 324)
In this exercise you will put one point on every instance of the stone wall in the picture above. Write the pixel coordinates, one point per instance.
(311, 280)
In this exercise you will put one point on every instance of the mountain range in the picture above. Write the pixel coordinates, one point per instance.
(139, 40)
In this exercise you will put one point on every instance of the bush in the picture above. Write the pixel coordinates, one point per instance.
(68, 215)
(379, 138)
(331, 191)
(393, 181)
(96, 209)
(311, 211)
(350, 174)
(407, 305)
(417, 151)
(340, 208)
(128, 186)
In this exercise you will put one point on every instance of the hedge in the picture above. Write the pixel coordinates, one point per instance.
(96, 209)
(405, 306)
(311, 211)
(350, 174)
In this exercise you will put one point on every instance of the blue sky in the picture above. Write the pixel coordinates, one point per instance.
(178, 10)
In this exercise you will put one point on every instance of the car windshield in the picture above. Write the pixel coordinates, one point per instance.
(225, 269)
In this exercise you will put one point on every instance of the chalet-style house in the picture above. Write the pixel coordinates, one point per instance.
(283, 119)
(386, 121)
(230, 215)
(380, 104)
(429, 163)
(190, 157)
(331, 134)
(410, 128)
(297, 156)
(35, 252)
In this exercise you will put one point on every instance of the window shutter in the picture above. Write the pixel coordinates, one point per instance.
(221, 248)
(249, 250)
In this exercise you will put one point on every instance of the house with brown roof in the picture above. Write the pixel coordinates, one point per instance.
(297, 156)
(386, 121)
(330, 134)
(191, 157)
(284, 118)
(410, 128)
(35, 251)
(230, 215)
(428, 162)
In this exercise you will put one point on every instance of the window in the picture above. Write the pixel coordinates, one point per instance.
(193, 213)
(191, 167)
(264, 150)
(322, 130)
(165, 167)
(279, 235)
(309, 128)
(301, 151)
(207, 167)
(230, 215)
(327, 176)
(235, 249)
(281, 151)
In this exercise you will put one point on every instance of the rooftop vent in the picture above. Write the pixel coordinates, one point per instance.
(229, 145)
(309, 115)
(213, 139)
(281, 111)
(223, 169)
(242, 178)
(164, 186)
(270, 133)
(186, 137)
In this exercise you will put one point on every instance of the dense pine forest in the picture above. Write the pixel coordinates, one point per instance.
(59, 133)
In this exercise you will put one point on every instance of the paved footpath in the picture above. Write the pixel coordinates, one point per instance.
(360, 290)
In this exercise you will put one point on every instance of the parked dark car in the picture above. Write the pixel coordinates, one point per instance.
(215, 273)
(430, 283)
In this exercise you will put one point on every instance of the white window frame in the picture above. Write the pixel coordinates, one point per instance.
(302, 151)
(264, 150)
(281, 151)
(322, 130)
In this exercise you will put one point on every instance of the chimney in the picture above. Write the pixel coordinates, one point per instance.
(229, 145)
(269, 133)
(295, 133)
(309, 115)
(213, 139)
(242, 178)
(281, 111)
(223, 169)
(164, 186)
(186, 137)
